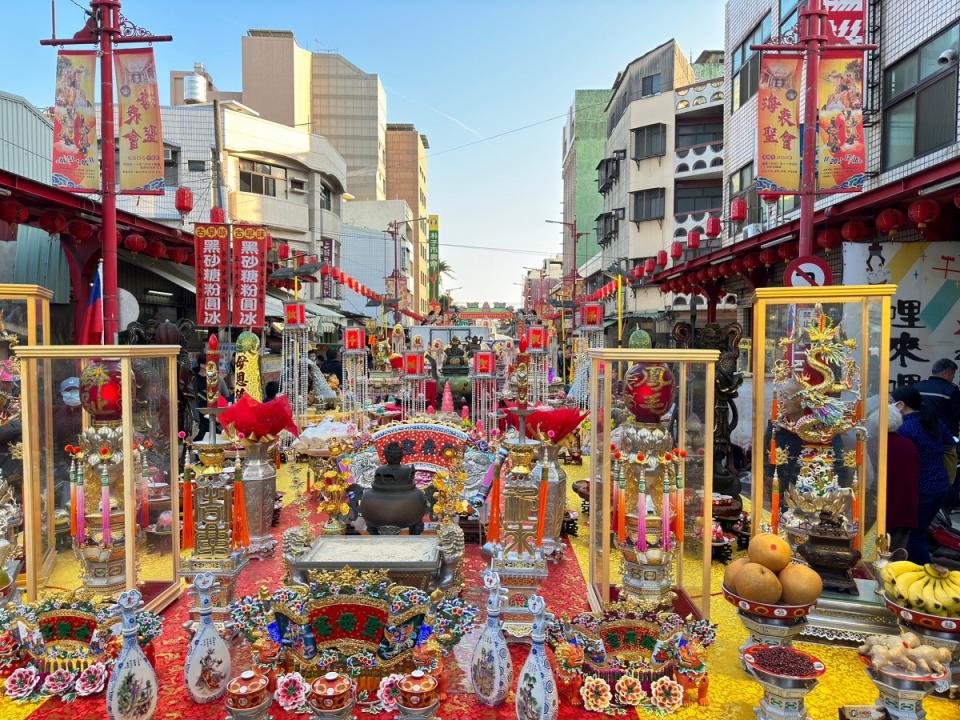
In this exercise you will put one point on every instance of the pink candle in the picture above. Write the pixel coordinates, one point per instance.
(81, 505)
(665, 525)
(105, 506)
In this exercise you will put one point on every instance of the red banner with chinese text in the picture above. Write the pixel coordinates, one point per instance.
(139, 127)
(212, 246)
(841, 148)
(76, 162)
(846, 21)
(249, 275)
(778, 124)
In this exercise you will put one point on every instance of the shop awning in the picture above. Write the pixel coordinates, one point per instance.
(182, 276)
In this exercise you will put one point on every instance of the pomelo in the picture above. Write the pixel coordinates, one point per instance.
(769, 550)
(730, 573)
(801, 584)
(758, 583)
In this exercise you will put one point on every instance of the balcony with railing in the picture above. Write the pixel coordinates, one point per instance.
(698, 96)
(695, 162)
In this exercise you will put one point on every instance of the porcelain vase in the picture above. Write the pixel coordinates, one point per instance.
(537, 696)
(259, 493)
(206, 671)
(133, 689)
(491, 668)
(556, 499)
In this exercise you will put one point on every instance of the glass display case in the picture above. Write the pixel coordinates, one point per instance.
(820, 396)
(101, 506)
(651, 430)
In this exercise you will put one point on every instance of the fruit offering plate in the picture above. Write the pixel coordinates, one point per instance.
(911, 677)
(776, 612)
(749, 657)
(920, 619)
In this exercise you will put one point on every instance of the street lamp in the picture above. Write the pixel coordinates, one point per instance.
(393, 228)
(575, 270)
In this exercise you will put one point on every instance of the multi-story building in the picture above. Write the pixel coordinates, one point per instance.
(539, 285)
(911, 128)
(584, 137)
(287, 179)
(407, 180)
(661, 171)
(321, 92)
(370, 253)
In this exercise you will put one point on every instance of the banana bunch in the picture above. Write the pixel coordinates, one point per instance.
(932, 589)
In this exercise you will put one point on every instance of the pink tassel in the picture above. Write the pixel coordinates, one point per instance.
(81, 514)
(105, 506)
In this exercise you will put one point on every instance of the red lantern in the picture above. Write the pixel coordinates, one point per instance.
(713, 272)
(676, 250)
(100, 390)
(736, 266)
(738, 210)
(413, 363)
(649, 266)
(751, 261)
(53, 222)
(218, 215)
(854, 231)
(889, 221)
(183, 200)
(13, 212)
(768, 257)
(80, 230)
(179, 255)
(725, 269)
(648, 391)
(283, 251)
(713, 227)
(703, 275)
(135, 243)
(829, 238)
(662, 258)
(693, 239)
(768, 197)
(785, 251)
(924, 211)
(354, 338)
(665, 288)
(156, 249)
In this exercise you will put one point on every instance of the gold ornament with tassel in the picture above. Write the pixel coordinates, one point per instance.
(248, 366)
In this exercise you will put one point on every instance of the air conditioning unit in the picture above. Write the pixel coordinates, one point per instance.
(168, 154)
(752, 230)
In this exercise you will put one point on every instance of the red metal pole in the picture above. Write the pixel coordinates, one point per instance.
(812, 36)
(110, 10)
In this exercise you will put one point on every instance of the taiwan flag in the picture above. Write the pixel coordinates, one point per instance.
(93, 321)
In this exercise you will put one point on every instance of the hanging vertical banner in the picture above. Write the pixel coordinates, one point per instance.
(841, 152)
(326, 257)
(249, 275)
(433, 226)
(846, 21)
(778, 118)
(212, 243)
(76, 162)
(138, 122)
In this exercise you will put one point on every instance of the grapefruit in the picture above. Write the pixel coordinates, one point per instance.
(769, 550)
(801, 584)
(758, 583)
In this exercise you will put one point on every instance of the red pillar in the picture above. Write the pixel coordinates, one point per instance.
(812, 36)
(110, 9)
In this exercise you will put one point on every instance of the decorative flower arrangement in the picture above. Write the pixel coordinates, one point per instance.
(291, 690)
(59, 682)
(629, 691)
(545, 420)
(21, 683)
(666, 695)
(389, 692)
(596, 694)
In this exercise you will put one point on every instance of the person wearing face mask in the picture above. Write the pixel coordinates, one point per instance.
(928, 434)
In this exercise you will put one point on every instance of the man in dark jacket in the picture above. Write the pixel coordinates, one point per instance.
(941, 395)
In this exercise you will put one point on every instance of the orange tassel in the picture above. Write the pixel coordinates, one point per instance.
(542, 510)
(621, 516)
(241, 533)
(187, 539)
(773, 452)
(774, 410)
(678, 517)
(859, 453)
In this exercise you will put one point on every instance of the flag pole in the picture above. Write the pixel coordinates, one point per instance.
(103, 327)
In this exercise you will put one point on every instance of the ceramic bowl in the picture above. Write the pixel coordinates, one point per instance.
(418, 689)
(248, 690)
(774, 612)
(922, 620)
(331, 691)
(784, 681)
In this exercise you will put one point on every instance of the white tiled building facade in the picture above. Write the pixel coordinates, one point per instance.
(900, 28)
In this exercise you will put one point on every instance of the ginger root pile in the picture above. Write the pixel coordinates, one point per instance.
(904, 653)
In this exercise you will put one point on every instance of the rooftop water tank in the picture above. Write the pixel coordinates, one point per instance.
(194, 89)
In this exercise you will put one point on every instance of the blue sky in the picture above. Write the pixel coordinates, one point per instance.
(460, 70)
